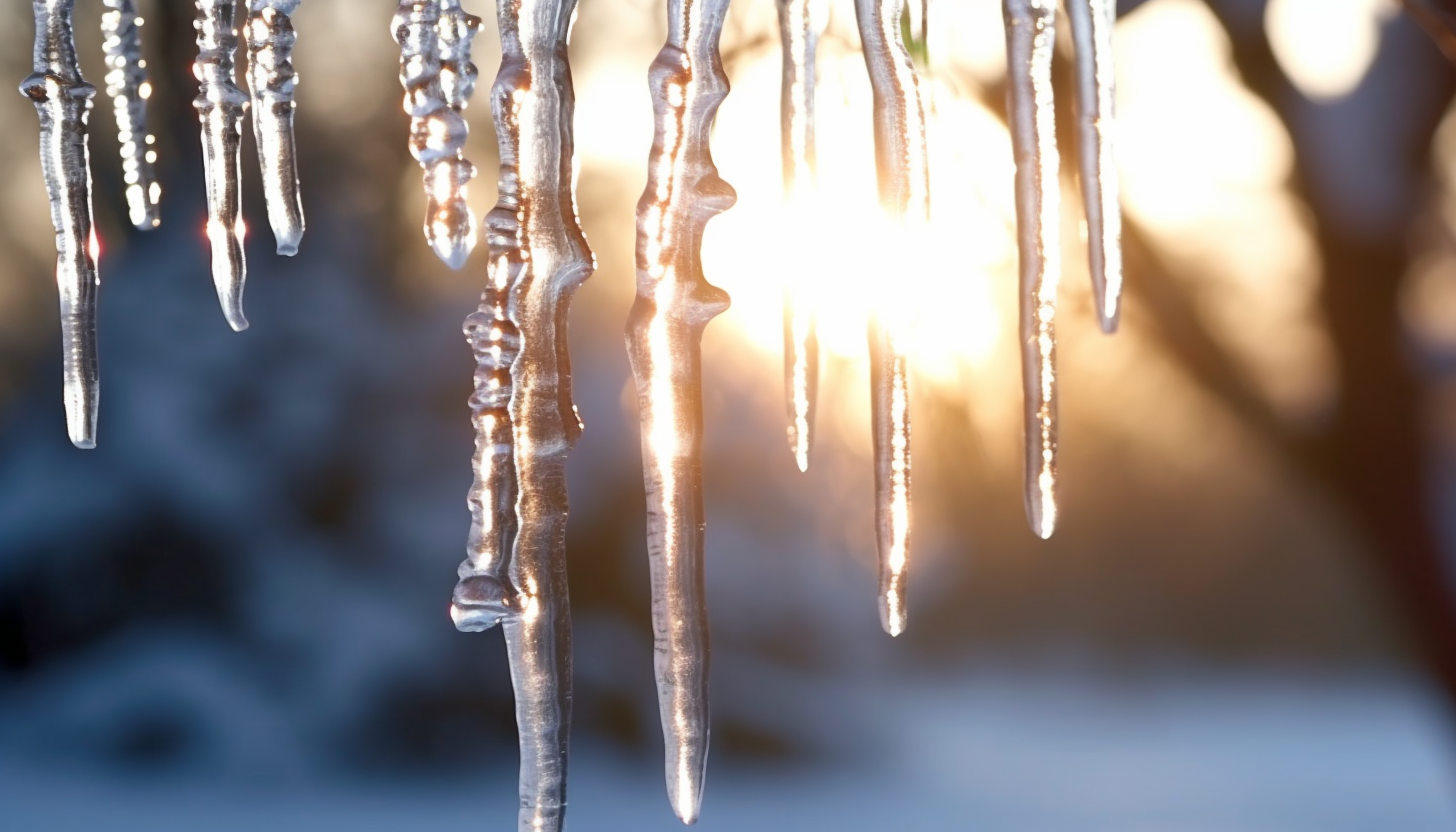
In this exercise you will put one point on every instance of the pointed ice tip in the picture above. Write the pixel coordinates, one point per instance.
(235, 319)
(454, 255)
(688, 814)
(85, 443)
(287, 248)
(1042, 517)
(685, 779)
(1108, 322)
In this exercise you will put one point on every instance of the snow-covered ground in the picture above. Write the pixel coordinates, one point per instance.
(1012, 753)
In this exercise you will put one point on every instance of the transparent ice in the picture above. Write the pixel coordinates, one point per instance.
(221, 105)
(1091, 24)
(800, 23)
(664, 343)
(129, 89)
(62, 99)
(434, 38)
(904, 171)
(1030, 44)
(271, 82)
(522, 409)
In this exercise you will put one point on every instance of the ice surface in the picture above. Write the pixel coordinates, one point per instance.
(63, 101)
(127, 85)
(522, 409)
(434, 38)
(271, 81)
(664, 344)
(800, 23)
(1091, 24)
(1030, 43)
(904, 176)
(220, 105)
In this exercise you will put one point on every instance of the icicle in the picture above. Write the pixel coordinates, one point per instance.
(1030, 40)
(905, 193)
(1091, 23)
(525, 421)
(799, 32)
(271, 81)
(664, 342)
(126, 83)
(62, 99)
(434, 38)
(221, 105)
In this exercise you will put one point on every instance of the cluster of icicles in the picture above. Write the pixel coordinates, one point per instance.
(522, 410)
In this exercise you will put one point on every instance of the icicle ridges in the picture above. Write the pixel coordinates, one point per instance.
(434, 37)
(1091, 24)
(271, 82)
(1030, 42)
(221, 105)
(905, 194)
(664, 343)
(799, 33)
(523, 413)
(127, 85)
(62, 99)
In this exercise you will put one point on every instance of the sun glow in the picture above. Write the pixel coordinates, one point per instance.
(833, 248)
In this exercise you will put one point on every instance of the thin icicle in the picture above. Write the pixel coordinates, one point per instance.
(905, 194)
(1030, 42)
(271, 82)
(434, 37)
(524, 417)
(664, 342)
(799, 32)
(1091, 24)
(126, 83)
(62, 99)
(221, 105)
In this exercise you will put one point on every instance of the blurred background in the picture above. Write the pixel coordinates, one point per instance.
(233, 613)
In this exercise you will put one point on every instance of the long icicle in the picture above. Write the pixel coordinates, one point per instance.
(434, 37)
(62, 99)
(271, 83)
(539, 257)
(127, 85)
(664, 343)
(905, 194)
(221, 105)
(1091, 24)
(1030, 42)
(799, 33)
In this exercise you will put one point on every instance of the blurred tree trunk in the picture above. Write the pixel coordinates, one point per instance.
(1373, 453)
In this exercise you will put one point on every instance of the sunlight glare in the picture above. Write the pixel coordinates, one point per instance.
(1326, 46)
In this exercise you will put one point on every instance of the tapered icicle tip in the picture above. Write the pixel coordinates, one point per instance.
(687, 765)
(232, 308)
(1041, 509)
(454, 249)
(81, 419)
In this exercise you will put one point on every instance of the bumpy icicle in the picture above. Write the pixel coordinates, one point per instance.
(1030, 42)
(220, 105)
(271, 81)
(1091, 23)
(799, 32)
(524, 417)
(664, 342)
(126, 83)
(62, 99)
(434, 37)
(905, 194)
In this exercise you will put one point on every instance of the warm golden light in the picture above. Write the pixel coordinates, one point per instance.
(1326, 46)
